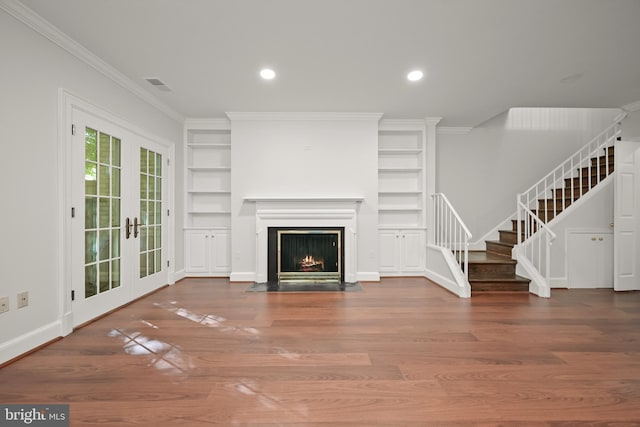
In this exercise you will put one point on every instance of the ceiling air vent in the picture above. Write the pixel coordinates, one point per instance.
(158, 84)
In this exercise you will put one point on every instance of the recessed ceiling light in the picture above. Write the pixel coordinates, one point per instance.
(267, 74)
(414, 75)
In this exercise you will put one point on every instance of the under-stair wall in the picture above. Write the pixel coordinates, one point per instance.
(593, 218)
(482, 170)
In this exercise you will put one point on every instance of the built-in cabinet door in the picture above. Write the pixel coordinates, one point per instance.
(590, 259)
(388, 251)
(197, 251)
(401, 252)
(220, 259)
(412, 251)
(207, 252)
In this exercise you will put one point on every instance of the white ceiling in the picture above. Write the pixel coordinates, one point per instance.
(480, 57)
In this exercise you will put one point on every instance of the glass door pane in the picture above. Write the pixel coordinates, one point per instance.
(102, 237)
(150, 212)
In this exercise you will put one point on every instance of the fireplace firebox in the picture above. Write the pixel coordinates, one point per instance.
(305, 254)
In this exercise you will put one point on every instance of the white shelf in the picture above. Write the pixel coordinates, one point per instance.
(399, 193)
(212, 192)
(398, 209)
(209, 212)
(401, 198)
(207, 177)
(399, 169)
(205, 145)
(399, 151)
(209, 168)
(284, 199)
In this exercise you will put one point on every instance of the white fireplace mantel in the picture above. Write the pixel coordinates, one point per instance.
(288, 199)
(307, 217)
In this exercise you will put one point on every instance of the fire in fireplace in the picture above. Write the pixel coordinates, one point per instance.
(305, 254)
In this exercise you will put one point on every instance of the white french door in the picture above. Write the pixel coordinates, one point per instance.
(627, 217)
(118, 227)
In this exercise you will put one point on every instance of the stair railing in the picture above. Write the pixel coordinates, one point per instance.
(547, 188)
(536, 248)
(450, 231)
(534, 235)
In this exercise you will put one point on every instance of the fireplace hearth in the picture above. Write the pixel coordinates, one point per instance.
(305, 254)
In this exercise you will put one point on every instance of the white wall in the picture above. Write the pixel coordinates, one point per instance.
(299, 157)
(631, 127)
(481, 172)
(32, 71)
(594, 213)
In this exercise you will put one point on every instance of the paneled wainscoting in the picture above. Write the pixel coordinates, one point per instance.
(403, 352)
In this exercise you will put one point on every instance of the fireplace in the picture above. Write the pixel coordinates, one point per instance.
(306, 254)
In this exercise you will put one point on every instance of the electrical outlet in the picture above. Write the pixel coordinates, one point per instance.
(4, 304)
(23, 299)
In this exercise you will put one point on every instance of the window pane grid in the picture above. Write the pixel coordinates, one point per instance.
(150, 212)
(102, 212)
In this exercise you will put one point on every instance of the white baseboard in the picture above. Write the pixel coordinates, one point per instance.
(176, 276)
(368, 276)
(558, 283)
(242, 276)
(27, 342)
(444, 282)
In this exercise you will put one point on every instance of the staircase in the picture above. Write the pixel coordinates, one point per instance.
(493, 269)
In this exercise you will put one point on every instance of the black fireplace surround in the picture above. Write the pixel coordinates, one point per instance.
(306, 253)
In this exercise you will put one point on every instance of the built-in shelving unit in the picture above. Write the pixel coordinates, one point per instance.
(207, 197)
(208, 178)
(401, 198)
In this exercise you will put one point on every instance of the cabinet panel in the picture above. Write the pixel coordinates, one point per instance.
(207, 252)
(412, 251)
(220, 248)
(401, 252)
(388, 251)
(590, 260)
(197, 251)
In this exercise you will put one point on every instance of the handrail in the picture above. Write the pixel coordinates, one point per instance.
(587, 162)
(530, 241)
(579, 161)
(451, 232)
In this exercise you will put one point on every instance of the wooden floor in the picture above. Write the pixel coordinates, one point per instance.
(402, 352)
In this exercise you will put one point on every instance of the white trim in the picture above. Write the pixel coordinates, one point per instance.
(207, 124)
(177, 276)
(243, 276)
(459, 285)
(368, 276)
(286, 199)
(630, 108)
(558, 283)
(401, 125)
(55, 35)
(32, 339)
(67, 102)
(266, 218)
(234, 116)
(451, 130)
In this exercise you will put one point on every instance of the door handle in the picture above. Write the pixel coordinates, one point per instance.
(127, 228)
(136, 224)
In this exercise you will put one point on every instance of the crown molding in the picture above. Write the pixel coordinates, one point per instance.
(31, 19)
(208, 124)
(233, 116)
(401, 124)
(630, 108)
(451, 130)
